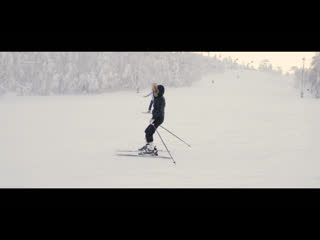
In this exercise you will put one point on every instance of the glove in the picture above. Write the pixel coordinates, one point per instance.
(151, 121)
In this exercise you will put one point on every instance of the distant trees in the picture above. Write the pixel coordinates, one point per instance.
(311, 77)
(297, 72)
(265, 66)
(55, 73)
(46, 73)
(279, 70)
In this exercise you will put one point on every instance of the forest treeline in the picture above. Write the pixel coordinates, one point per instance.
(309, 78)
(47, 73)
(59, 73)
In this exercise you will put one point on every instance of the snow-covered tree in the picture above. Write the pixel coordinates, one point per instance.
(313, 79)
(265, 66)
(45, 73)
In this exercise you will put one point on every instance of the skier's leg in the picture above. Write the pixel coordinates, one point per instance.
(150, 130)
(157, 122)
(149, 148)
(148, 137)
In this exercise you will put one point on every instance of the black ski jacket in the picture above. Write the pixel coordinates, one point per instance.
(159, 104)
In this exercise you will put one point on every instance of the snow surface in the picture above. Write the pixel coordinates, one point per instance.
(249, 132)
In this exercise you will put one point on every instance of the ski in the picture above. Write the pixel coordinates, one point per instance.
(134, 151)
(142, 155)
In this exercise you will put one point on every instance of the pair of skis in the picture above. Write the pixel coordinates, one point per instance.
(141, 154)
(133, 153)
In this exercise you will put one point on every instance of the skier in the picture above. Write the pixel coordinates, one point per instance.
(156, 121)
(154, 87)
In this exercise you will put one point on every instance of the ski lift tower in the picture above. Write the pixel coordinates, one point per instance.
(303, 60)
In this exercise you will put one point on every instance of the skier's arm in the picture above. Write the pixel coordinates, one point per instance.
(148, 95)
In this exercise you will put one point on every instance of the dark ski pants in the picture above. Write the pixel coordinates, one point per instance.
(150, 106)
(150, 130)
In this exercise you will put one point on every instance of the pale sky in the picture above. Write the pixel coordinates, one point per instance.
(283, 59)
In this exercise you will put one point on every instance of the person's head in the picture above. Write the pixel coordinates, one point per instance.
(160, 90)
(154, 87)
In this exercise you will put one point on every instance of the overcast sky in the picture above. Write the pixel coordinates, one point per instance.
(283, 59)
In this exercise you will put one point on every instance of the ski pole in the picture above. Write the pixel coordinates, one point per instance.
(166, 148)
(175, 136)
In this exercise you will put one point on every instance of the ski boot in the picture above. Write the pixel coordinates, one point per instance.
(153, 151)
(143, 148)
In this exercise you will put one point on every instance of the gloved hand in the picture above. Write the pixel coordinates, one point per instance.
(151, 121)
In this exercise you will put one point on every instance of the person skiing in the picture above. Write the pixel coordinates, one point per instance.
(156, 120)
(154, 87)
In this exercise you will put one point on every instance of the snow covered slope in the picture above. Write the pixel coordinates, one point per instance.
(254, 131)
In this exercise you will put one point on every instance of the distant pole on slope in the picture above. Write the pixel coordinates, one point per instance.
(236, 63)
(248, 65)
(303, 59)
(317, 84)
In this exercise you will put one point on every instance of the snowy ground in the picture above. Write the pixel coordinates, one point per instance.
(249, 132)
